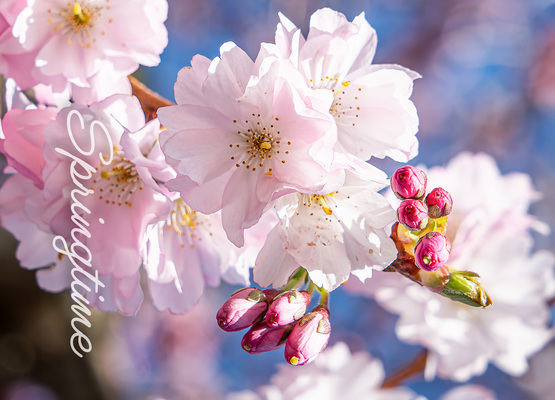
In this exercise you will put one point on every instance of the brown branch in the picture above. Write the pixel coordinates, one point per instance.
(414, 367)
(150, 101)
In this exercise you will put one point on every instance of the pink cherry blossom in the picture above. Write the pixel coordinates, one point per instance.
(371, 106)
(242, 135)
(91, 44)
(332, 235)
(189, 250)
(118, 205)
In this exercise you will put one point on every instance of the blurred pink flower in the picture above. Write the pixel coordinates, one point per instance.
(335, 374)
(371, 106)
(489, 229)
(469, 392)
(267, 131)
(24, 140)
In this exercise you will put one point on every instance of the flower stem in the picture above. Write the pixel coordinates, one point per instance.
(295, 280)
(324, 297)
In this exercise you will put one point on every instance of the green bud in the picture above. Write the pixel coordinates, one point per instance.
(464, 286)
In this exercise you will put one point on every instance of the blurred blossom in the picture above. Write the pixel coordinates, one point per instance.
(162, 354)
(490, 232)
(469, 392)
(335, 374)
(538, 381)
(27, 390)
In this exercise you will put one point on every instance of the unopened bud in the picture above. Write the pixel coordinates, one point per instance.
(287, 307)
(464, 286)
(432, 251)
(409, 182)
(242, 309)
(439, 202)
(309, 337)
(261, 338)
(413, 214)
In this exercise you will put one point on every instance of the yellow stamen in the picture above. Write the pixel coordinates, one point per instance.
(78, 11)
(343, 86)
(318, 198)
(293, 360)
(265, 145)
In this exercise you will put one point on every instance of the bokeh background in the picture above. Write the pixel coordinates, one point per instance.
(488, 85)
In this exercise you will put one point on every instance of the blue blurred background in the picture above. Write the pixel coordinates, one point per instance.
(488, 84)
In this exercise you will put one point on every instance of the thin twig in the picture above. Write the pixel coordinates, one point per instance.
(150, 101)
(414, 367)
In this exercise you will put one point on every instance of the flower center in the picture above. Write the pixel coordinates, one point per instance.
(81, 17)
(259, 146)
(189, 225)
(319, 200)
(180, 217)
(76, 21)
(118, 181)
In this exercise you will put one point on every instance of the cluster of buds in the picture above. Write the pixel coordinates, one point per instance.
(420, 216)
(422, 244)
(278, 317)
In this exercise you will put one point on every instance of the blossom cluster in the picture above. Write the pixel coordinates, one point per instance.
(259, 164)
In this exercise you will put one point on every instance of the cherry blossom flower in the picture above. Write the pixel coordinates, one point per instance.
(371, 106)
(331, 236)
(91, 44)
(190, 250)
(335, 374)
(489, 229)
(242, 134)
(119, 204)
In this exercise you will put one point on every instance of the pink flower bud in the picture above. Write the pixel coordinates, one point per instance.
(409, 183)
(287, 307)
(432, 251)
(242, 309)
(309, 337)
(439, 203)
(261, 338)
(413, 214)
